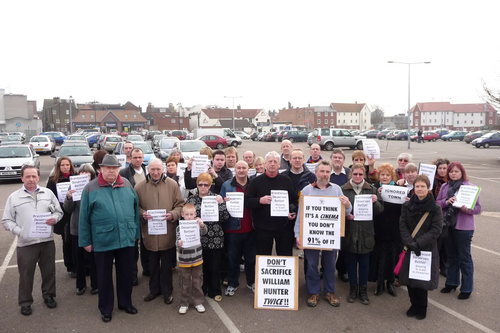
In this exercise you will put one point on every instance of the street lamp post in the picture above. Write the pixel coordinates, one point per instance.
(70, 100)
(233, 97)
(409, 66)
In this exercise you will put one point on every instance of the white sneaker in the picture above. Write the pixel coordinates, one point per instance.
(230, 291)
(183, 309)
(200, 308)
(252, 287)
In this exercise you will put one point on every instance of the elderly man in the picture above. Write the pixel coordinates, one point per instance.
(268, 228)
(315, 152)
(249, 157)
(158, 191)
(231, 157)
(239, 234)
(403, 160)
(134, 173)
(286, 150)
(33, 245)
(109, 225)
(322, 187)
(127, 151)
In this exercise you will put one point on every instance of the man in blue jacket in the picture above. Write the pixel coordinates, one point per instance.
(109, 225)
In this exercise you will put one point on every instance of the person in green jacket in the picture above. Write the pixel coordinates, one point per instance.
(359, 233)
(109, 226)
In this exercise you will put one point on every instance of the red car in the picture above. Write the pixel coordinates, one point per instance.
(426, 136)
(214, 141)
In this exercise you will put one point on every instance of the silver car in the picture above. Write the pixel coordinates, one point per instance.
(12, 158)
(329, 138)
(12, 140)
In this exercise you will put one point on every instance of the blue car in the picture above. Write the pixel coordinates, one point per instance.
(145, 147)
(92, 139)
(58, 136)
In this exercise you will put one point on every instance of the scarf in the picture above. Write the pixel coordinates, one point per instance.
(391, 183)
(438, 182)
(416, 205)
(357, 187)
(451, 213)
(66, 175)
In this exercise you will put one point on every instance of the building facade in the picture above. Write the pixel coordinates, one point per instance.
(353, 115)
(55, 114)
(17, 114)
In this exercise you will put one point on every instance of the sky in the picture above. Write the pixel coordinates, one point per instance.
(269, 52)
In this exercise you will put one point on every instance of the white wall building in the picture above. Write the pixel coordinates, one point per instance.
(353, 115)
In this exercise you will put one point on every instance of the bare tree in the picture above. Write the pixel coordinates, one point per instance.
(377, 116)
(492, 96)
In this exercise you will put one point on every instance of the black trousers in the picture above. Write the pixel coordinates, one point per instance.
(144, 255)
(124, 259)
(160, 264)
(67, 249)
(211, 272)
(340, 265)
(418, 297)
(284, 241)
(81, 257)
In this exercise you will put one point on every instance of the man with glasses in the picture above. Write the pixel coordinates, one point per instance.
(403, 160)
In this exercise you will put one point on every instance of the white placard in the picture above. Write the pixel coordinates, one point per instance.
(235, 203)
(190, 233)
(279, 203)
(39, 227)
(77, 184)
(181, 167)
(251, 172)
(276, 283)
(233, 171)
(123, 160)
(282, 170)
(311, 167)
(394, 194)
(62, 190)
(363, 207)
(429, 170)
(200, 165)
(158, 224)
(371, 148)
(420, 267)
(320, 222)
(209, 209)
(467, 196)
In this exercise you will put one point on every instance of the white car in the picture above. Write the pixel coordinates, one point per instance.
(189, 148)
(242, 134)
(43, 144)
(12, 158)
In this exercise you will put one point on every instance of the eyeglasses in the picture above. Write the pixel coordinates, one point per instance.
(403, 160)
(297, 158)
(203, 185)
(358, 174)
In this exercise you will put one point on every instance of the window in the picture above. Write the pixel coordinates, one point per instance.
(318, 114)
(480, 122)
(91, 116)
(458, 114)
(491, 115)
(472, 122)
(458, 122)
(173, 121)
(54, 111)
(365, 121)
(180, 121)
(491, 121)
(326, 121)
(319, 121)
(435, 113)
(58, 120)
(331, 114)
(83, 116)
(416, 122)
(356, 121)
(416, 114)
(300, 116)
(481, 114)
(351, 121)
(66, 121)
(135, 116)
(465, 114)
(126, 116)
(465, 121)
(310, 112)
(67, 111)
(344, 121)
(331, 121)
(435, 120)
(447, 112)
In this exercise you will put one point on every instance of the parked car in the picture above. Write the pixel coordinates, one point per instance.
(293, 136)
(18, 133)
(12, 158)
(135, 138)
(355, 132)
(329, 138)
(43, 144)
(254, 136)
(58, 136)
(3, 135)
(101, 140)
(242, 134)
(454, 135)
(110, 141)
(167, 132)
(12, 140)
(75, 137)
(156, 139)
(89, 130)
(190, 148)
(392, 135)
(403, 135)
(92, 139)
(276, 136)
(78, 152)
(181, 135)
(474, 135)
(165, 147)
(383, 134)
(268, 136)
(487, 140)
(151, 134)
(441, 132)
(371, 134)
(214, 141)
(144, 146)
(261, 135)
(190, 136)
(426, 136)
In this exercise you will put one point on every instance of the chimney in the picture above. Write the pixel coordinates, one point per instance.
(308, 105)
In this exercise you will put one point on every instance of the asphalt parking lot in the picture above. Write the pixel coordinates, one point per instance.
(236, 314)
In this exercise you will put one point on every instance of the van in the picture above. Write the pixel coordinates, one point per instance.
(329, 138)
(226, 133)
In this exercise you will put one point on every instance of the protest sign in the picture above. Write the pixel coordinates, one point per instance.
(123, 160)
(77, 184)
(394, 194)
(235, 203)
(321, 222)
(158, 224)
(209, 209)
(371, 148)
(62, 190)
(199, 165)
(279, 203)
(429, 170)
(467, 196)
(420, 267)
(190, 233)
(39, 227)
(251, 172)
(181, 167)
(363, 207)
(233, 171)
(276, 283)
(311, 167)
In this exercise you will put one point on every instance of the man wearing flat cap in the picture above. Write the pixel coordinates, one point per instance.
(109, 225)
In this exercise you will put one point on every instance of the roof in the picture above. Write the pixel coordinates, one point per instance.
(238, 123)
(348, 107)
(435, 106)
(102, 114)
(479, 107)
(228, 113)
(458, 108)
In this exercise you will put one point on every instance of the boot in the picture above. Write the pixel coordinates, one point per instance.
(380, 289)
(447, 289)
(363, 295)
(353, 293)
(412, 311)
(421, 313)
(391, 289)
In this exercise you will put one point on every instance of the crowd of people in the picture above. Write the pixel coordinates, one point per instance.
(109, 226)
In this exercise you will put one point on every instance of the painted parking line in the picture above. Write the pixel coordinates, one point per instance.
(486, 250)
(485, 179)
(15, 266)
(7, 258)
(223, 316)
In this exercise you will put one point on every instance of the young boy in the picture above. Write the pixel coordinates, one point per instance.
(190, 265)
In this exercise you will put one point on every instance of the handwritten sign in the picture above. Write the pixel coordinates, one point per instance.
(467, 196)
(39, 227)
(394, 194)
(363, 207)
(279, 203)
(276, 283)
(321, 222)
(123, 161)
(311, 167)
(62, 190)
(200, 165)
(233, 171)
(77, 184)
(429, 170)
(190, 233)
(235, 203)
(157, 225)
(420, 267)
(251, 172)
(209, 209)
(371, 148)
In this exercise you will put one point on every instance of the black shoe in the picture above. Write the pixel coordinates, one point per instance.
(464, 295)
(447, 289)
(135, 281)
(106, 317)
(146, 273)
(412, 311)
(363, 295)
(72, 274)
(80, 291)
(94, 291)
(421, 313)
(129, 310)
(168, 299)
(391, 289)
(50, 302)
(26, 310)
(380, 289)
(353, 293)
(149, 297)
(343, 277)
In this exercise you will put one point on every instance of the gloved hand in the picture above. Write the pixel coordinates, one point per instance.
(413, 246)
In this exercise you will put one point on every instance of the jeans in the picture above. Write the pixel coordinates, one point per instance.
(352, 260)
(239, 244)
(460, 259)
(312, 276)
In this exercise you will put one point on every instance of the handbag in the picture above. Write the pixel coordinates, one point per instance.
(401, 258)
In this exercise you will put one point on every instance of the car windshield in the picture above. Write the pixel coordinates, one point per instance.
(39, 139)
(488, 135)
(146, 149)
(7, 152)
(167, 144)
(114, 139)
(75, 151)
(192, 146)
(12, 138)
(134, 138)
(76, 138)
(159, 137)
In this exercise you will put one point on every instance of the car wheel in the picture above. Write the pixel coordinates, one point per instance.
(291, 140)
(434, 140)
(359, 145)
(450, 139)
(234, 144)
(329, 146)
(486, 145)
(220, 146)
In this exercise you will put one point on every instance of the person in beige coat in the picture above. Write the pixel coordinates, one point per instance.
(159, 192)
